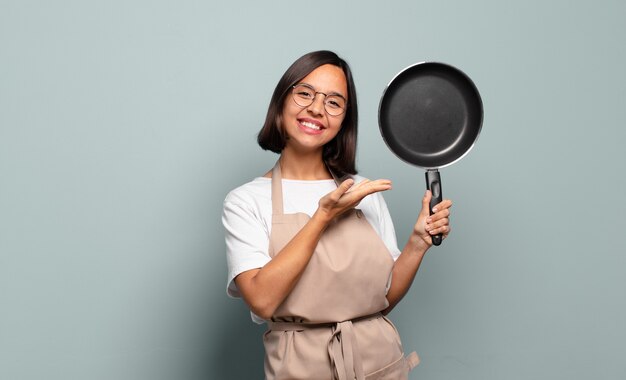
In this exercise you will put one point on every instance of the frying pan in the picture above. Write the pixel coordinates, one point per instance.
(430, 116)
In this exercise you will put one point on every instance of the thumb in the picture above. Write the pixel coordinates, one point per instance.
(426, 203)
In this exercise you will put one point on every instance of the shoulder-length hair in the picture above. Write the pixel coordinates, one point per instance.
(339, 154)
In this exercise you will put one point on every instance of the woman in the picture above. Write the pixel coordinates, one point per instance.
(319, 271)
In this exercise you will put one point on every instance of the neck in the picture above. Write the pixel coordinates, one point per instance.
(303, 166)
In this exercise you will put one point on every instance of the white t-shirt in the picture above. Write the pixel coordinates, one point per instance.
(247, 219)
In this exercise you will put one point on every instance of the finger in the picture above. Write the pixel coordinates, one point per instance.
(356, 194)
(367, 182)
(439, 230)
(445, 213)
(376, 186)
(367, 187)
(437, 224)
(438, 220)
(380, 184)
(341, 189)
(345, 186)
(445, 235)
(426, 203)
(446, 203)
(359, 184)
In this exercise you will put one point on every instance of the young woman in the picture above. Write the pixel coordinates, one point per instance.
(311, 246)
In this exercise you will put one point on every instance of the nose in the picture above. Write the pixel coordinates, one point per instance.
(317, 106)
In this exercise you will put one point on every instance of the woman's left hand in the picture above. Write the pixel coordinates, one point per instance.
(419, 242)
(437, 223)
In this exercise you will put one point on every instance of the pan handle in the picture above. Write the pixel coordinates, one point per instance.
(433, 183)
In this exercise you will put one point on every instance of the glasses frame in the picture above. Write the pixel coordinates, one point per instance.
(293, 96)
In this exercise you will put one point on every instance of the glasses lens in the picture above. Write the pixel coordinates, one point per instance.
(303, 95)
(335, 105)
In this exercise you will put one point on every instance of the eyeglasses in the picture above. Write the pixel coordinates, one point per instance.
(304, 95)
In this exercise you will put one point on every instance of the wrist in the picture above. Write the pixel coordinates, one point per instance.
(418, 243)
(321, 218)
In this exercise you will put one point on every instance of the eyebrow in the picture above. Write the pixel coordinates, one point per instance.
(330, 93)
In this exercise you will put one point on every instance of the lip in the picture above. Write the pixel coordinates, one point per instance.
(302, 124)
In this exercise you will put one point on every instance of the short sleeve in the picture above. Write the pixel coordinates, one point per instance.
(247, 242)
(387, 231)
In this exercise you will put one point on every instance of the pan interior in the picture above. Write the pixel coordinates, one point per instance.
(430, 115)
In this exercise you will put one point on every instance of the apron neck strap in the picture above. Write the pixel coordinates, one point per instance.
(277, 190)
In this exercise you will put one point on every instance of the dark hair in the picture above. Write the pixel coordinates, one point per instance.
(339, 154)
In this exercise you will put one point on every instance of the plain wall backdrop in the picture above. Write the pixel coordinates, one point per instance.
(124, 124)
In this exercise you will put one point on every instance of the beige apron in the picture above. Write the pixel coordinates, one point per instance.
(330, 325)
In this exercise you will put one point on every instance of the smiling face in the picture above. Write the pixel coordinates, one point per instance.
(309, 128)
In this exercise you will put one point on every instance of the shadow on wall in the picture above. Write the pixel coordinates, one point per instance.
(235, 341)
(237, 344)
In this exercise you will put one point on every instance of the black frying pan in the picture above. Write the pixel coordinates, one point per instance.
(430, 116)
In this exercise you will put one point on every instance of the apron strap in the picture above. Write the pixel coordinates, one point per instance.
(412, 360)
(344, 354)
(277, 190)
(343, 350)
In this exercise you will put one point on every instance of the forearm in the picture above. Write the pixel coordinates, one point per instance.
(266, 288)
(405, 269)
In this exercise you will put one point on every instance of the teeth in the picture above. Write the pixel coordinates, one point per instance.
(311, 125)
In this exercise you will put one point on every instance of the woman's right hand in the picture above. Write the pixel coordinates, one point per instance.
(348, 195)
(264, 289)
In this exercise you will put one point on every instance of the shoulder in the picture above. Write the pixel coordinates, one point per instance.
(250, 201)
(250, 193)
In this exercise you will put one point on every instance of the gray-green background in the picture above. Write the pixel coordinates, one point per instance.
(123, 124)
